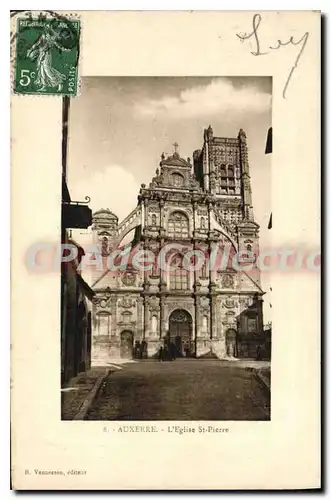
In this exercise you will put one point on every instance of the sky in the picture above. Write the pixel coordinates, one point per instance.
(120, 126)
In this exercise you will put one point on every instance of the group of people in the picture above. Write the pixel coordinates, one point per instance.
(167, 352)
(140, 350)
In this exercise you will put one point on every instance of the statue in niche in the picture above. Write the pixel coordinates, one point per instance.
(104, 246)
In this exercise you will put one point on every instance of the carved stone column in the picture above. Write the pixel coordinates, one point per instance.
(145, 272)
(145, 212)
(213, 247)
(115, 341)
(140, 318)
(162, 217)
(197, 318)
(113, 312)
(162, 328)
(213, 304)
(146, 317)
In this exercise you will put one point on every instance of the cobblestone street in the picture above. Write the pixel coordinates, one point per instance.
(181, 390)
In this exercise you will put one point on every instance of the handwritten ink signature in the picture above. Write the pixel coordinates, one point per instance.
(303, 41)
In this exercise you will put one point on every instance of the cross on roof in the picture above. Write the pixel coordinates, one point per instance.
(176, 146)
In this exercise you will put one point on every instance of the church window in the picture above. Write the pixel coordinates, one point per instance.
(178, 225)
(154, 220)
(177, 180)
(227, 179)
(126, 317)
(230, 171)
(178, 274)
(251, 325)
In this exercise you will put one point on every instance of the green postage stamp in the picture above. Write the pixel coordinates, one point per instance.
(46, 56)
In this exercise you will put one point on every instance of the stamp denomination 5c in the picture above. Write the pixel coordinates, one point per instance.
(47, 54)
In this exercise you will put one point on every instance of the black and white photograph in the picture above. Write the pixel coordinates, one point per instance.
(166, 250)
(166, 296)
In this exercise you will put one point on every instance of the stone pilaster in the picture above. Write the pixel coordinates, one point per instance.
(245, 176)
(213, 305)
(145, 211)
(140, 318)
(146, 317)
(197, 318)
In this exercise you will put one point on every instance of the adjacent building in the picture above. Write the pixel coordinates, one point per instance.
(76, 295)
(209, 308)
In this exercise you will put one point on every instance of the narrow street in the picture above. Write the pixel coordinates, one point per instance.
(181, 390)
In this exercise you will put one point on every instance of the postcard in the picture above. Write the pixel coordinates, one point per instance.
(165, 250)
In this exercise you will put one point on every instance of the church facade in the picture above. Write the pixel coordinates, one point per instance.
(199, 286)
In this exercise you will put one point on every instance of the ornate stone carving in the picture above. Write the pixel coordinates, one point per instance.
(230, 303)
(246, 302)
(204, 304)
(127, 303)
(153, 304)
(193, 183)
(129, 278)
(228, 226)
(228, 281)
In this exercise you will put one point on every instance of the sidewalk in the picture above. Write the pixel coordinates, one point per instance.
(78, 394)
(262, 373)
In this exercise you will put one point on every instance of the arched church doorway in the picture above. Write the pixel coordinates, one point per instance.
(180, 333)
(127, 344)
(231, 342)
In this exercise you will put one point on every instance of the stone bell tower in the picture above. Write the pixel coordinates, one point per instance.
(104, 230)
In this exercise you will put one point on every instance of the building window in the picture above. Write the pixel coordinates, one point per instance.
(251, 325)
(230, 171)
(126, 317)
(178, 274)
(178, 225)
(227, 179)
(177, 180)
(153, 220)
(103, 324)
